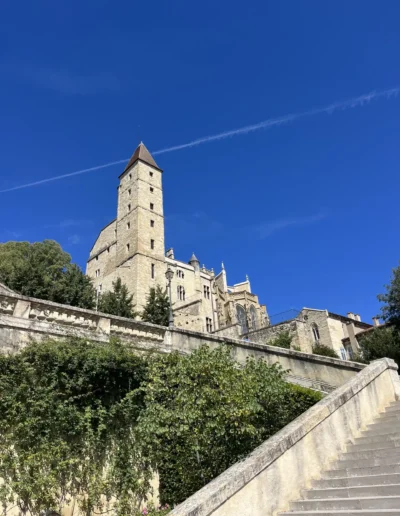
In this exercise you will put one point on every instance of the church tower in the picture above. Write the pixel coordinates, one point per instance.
(140, 226)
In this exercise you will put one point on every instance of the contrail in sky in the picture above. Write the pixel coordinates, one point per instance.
(266, 124)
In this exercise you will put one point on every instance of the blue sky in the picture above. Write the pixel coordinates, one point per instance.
(308, 209)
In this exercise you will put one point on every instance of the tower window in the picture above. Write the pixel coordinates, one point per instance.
(151, 206)
(151, 174)
(115, 233)
(152, 223)
(152, 271)
(128, 247)
(206, 291)
(209, 324)
(129, 207)
(128, 225)
(129, 191)
(151, 189)
(97, 258)
(130, 176)
(315, 331)
(152, 243)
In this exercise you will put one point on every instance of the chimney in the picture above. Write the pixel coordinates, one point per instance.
(376, 321)
(350, 315)
(358, 318)
(170, 253)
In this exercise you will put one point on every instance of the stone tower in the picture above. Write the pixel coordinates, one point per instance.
(140, 225)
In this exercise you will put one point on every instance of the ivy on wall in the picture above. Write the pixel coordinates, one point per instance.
(92, 422)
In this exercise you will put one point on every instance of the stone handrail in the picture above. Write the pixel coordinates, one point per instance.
(36, 316)
(275, 473)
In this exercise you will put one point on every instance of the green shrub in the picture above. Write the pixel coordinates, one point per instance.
(283, 340)
(80, 418)
(325, 351)
(203, 413)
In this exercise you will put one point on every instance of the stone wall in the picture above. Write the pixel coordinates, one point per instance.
(296, 328)
(23, 319)
(276, 472)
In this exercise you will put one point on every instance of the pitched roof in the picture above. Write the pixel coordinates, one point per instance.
(141, 153)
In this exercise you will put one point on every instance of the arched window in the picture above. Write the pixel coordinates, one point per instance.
(180, 292)
(315, 331)
(241, 318)
(253, 316)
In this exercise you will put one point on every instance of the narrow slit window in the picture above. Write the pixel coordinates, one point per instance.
(152, 244)
(152, 271)
(152, 223)
(128, 246)
(151, 206)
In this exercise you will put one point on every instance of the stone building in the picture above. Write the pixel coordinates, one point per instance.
(132, 247)
(311, 326)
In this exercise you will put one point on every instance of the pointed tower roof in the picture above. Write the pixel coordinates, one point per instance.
(193, 259)
(141, 153)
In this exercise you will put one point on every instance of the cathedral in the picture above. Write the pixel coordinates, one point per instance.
(131, 247)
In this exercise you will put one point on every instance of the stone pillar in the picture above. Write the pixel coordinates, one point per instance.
(352, 336)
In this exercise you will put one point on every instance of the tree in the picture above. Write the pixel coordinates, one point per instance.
(117, 301)
(391, 299)
(67, 428)
(283, 340)
(156, 310)
(381, 342)
(325, 351)
(204, 412)
(45, 271)
(75, 288)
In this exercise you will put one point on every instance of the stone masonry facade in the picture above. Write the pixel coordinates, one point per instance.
(132, 248)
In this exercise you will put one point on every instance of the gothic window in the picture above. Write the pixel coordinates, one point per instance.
(152, 271)
(315, 331)
(152, 244)
(152, 223)
(253, 316)
(208, 292)
(180, 292)
(241, 318)
(209, 324)
(151, 206)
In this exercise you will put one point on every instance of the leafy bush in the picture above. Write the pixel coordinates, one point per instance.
(283, 340)
(203, 413)
(91, 422)
(325, 351)
(68, 412)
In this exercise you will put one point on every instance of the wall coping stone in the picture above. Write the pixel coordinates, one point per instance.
(219, 490)
(82, 311)
(274, 350)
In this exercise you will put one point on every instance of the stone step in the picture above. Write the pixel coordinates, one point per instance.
(353, 492)
(382, 429)
(368, 502)
(321, 483)
(380, 444)
(370, 454)
(367, 437)
(392, 408)
(367, 462)
(362, 472)
(366, 512)
(386, 418)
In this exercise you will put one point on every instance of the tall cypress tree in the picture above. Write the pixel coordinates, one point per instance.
(117, 301)
(156, 310)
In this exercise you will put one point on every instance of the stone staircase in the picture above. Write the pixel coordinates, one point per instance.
(365, 480)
